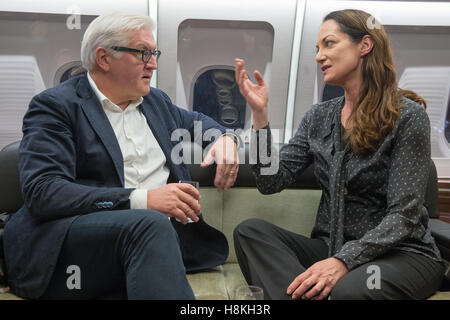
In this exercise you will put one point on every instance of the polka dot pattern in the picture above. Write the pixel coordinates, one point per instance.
(370, 203)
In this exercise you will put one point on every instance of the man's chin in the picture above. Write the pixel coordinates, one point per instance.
(145, 91)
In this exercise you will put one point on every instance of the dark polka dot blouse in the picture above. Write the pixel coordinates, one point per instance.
(370, 204)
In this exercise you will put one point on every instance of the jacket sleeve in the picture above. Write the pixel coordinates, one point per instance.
(47, 166)
(275, 171)
(407, 180)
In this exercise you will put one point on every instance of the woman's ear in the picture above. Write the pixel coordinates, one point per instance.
(366, 45)
(103, 58)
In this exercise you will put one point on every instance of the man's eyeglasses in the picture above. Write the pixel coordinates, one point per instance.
(146, 53)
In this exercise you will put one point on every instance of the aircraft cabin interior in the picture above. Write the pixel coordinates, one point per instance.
(199, 41)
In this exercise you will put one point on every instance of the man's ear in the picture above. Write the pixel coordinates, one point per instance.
(366, 45)
(103, 58)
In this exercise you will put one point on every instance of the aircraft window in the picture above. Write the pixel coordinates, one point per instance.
(217, 95)
(37, 52)
(20, 80)
(68, 71)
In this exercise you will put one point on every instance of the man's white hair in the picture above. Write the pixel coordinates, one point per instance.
(110, 30)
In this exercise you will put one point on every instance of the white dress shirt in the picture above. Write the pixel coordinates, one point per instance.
(143, 159)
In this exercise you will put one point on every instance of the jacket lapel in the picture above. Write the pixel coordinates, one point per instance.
(99, 121)
(158, 125)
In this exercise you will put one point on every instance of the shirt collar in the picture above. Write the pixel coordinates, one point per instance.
(108, 104)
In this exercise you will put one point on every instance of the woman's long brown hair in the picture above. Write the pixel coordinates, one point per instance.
(380, 100)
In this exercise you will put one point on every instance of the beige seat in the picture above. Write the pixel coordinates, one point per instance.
(294, 209)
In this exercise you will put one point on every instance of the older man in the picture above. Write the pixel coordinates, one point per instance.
(99, 184)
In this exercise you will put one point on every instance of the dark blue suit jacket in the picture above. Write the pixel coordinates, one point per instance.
(70, 164)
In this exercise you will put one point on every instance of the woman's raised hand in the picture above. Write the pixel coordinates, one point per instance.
(256, 94)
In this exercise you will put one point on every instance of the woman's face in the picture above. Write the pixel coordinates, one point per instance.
(340, 59)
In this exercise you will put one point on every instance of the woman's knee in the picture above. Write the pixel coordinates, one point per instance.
(343, 290)
(346, 290)
(249, 227)
(355, 286)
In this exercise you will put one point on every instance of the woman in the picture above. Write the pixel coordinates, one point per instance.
(371, 155)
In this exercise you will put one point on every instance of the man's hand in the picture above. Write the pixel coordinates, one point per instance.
(178, 200)
(318, 280)
(224, 153)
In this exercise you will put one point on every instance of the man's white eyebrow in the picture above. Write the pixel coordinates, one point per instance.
(143, 45)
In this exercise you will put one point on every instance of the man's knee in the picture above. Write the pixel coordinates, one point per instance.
(149, 223)
(150, 217)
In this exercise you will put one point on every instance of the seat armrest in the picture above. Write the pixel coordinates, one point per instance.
(10, 194)
(440, 230)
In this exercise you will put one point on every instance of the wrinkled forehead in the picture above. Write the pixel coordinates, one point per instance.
(141, 37)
